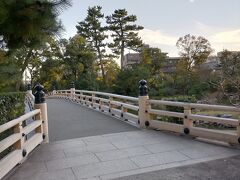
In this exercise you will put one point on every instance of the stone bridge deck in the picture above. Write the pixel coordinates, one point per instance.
(87, 144)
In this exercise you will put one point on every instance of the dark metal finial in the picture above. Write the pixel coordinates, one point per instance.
(143, 89)
(72, 84)
(29, 87)
(39, 94)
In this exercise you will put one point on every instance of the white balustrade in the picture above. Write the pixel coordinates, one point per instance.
(140, 111)
(17, 140)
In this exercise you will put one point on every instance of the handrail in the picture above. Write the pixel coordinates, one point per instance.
(188, 119)
(195, 105)
(146, 112)
(22, 118)
(21, 146)
(110, 104)
(108, 94)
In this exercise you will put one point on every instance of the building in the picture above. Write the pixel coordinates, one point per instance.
(130, 59)
(211, 64)
(169, 65)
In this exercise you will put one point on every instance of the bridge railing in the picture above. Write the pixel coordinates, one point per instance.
(191, 118)
(148, 113)
(123, 107)
(20, 136)
(17, 140)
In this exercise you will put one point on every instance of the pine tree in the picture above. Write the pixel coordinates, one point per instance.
(93, 31)
(28, 22)
(124, 32)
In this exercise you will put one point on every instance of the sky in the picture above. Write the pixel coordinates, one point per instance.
(164, 21)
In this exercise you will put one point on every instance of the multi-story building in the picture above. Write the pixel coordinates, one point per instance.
(212, 63)
(131, 59)
(169, 64)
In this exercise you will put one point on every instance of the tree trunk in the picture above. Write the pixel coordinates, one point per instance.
(101, 65)
(122, 54)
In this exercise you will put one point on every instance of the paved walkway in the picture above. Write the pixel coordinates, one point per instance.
(107, 155)
(221, 169)
(116, 155)
(68, 120)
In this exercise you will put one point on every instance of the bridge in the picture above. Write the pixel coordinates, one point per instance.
(77, 134)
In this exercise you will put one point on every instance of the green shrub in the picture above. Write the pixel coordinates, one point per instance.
(199, 89)
(11, 106)
(167, 91)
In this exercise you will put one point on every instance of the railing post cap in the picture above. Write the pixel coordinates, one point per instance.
(38, 87)
(39, 94)
(143, 89)
(142, 82)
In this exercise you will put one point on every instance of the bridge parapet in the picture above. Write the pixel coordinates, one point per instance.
(25, 136)
(148, 113)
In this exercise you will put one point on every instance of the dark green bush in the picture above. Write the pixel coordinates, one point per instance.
(199, 89)
(167, 91)
(11, 106)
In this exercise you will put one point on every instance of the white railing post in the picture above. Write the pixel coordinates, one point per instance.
(110, 104)
(144, 106)
(54, 92)
(93, 100)
(100, 105)
(38, 117)
(81, 97)
(187, 123)
(18, 129)
(65, 94)
(72, 91)
(42, 105)
(123, 112)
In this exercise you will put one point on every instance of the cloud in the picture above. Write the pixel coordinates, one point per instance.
(191, 1)
(226, 40)
(220, 37)
(206, 29)
(157, 37)
(226, 37)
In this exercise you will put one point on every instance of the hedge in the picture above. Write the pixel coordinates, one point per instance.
(11, 106)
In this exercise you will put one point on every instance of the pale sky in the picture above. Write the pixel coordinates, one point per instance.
(167, 20)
